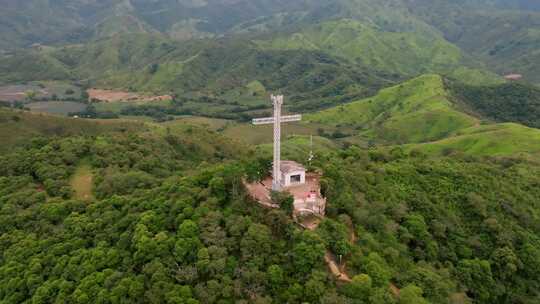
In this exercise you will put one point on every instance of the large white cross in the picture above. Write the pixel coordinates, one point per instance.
(276, 120)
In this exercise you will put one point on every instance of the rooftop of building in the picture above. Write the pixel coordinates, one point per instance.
(288, 166)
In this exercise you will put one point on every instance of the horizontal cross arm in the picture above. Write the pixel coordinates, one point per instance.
(263, 121)
(290, 118)
(270, 120)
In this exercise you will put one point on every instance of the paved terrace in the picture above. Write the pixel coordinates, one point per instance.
(261, 192)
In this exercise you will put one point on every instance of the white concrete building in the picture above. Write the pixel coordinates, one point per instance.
(292, 174)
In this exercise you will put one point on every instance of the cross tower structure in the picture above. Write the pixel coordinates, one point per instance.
(276, 120)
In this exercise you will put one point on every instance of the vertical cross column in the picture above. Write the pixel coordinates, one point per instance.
(276, 174)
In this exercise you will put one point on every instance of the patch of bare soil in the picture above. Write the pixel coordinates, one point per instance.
(334, 268)
(113, 96)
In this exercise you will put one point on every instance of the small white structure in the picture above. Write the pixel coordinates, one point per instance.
(292, 174)
(513, 77)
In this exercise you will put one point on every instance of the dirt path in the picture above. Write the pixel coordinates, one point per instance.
(82, 182)
(260, 192)
(352, 236)
(395, 291)
(333, 266)
(337, 270)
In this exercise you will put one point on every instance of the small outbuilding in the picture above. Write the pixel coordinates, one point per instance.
(292, 174)
(513, 77)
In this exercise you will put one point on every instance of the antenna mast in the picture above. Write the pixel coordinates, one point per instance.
(311, 156)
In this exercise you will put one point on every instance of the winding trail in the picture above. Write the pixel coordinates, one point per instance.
(334, 268)
(329, 258)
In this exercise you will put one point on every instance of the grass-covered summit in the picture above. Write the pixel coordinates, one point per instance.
(418, 110)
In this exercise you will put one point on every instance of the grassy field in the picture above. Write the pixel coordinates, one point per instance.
(298, 147)
(506, 139)
(82, 182)
(41, 90)
(60, 89)
(56, 107)
(246, 132)
(18, 92)
(118, 106)
(17, 127)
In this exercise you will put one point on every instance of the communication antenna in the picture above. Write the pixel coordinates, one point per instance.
(311, 156)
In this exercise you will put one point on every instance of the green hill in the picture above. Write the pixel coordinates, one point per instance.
(505, 139)
(217, 76)
(503, 34)
(418, 110)
(424, 112)
(440, 223)
(19, 127)
(156, 217)
(30, 66)
(406, 52)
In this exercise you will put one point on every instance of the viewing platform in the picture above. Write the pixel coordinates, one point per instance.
(307, 196)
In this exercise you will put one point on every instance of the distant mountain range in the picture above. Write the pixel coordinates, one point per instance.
(119, 42)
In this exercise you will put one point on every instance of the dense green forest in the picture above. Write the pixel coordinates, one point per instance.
(511, 102)
(443, 224)
(134, 189)
(169, 222)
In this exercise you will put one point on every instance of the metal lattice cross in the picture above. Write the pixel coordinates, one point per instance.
(276, 120)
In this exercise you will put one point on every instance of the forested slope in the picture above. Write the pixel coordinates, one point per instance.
(443, 224)
(170, 223)
(503, 34)
(205, 68)
(407, 52)
(510, 102)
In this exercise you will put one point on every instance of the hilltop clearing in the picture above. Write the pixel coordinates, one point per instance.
(82, 183)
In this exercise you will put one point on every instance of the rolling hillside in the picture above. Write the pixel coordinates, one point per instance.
(507, 102)
(395, 52)
(19, 127)
(428, 160)
(423, 111)
(222, 70)
(416, 111)
(505, 139)
(501, 34)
